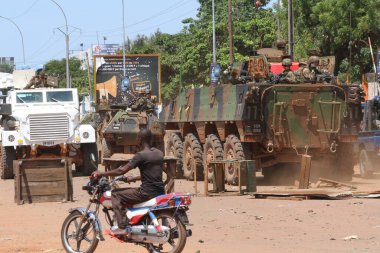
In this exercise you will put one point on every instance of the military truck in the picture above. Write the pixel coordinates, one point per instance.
(44, 123)
(252, 118)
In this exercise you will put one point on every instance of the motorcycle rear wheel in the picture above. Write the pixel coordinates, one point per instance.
(87, 235)
(177, 239)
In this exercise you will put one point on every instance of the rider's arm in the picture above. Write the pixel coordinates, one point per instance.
(117, 172)
(133, 163)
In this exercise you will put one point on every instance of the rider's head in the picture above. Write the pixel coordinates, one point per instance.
(145, 137)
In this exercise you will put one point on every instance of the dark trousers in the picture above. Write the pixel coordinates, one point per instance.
(126, 196)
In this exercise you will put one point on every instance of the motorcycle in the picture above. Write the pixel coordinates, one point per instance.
(159, 224)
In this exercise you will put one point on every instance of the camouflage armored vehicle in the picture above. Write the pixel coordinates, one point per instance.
(122, 122)
(253, 118)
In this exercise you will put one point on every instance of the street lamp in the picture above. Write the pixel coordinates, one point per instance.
(123, 41)
(104, 39)
(68, 83)
(22, 38)
(213, 34)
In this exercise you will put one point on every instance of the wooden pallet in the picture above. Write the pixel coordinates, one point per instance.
(43, 180)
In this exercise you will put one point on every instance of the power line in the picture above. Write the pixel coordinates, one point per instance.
(27, 10)
(160, 13)
(143, 29)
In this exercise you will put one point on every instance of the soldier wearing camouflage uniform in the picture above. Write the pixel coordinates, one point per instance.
(299, 72)
(309, 74)
(287, 75)
(38, 81)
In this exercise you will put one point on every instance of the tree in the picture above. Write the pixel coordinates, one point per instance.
(340, 28)
(6, 68)
(79, 77)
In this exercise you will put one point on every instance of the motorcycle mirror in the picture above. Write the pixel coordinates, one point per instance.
(92, 157)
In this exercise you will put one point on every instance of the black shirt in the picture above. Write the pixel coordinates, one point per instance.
(150, 162)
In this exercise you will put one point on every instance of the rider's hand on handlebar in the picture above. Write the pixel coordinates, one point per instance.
(128, 179)
(96, 174)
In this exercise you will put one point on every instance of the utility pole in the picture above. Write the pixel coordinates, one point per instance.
(88, 76)
(231, 32)
(213, 34)
(123, 40)
(291, 29)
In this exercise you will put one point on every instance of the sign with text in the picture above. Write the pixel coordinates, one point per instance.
(105, 49)
(142, 76)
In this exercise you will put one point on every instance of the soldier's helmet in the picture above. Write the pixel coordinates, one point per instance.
(40, 69)
(286, 62)
(313, 61)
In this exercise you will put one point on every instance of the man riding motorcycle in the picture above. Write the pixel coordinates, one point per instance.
(150, 163)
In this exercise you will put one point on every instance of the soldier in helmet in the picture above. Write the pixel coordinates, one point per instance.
(39, 80)
(299, 72)
(287, 75)
(309, 74)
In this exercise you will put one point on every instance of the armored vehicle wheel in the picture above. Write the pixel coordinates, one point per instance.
(192, 157)
(212, 150)
(106, 149)
(366, 167)
(233, 149)
(174, 147)
(88, 167)
(7, 155)
(346, 161)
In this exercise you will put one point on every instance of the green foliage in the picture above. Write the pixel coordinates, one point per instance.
(340, 28)
(79, 77)
(6, 68)
(186, 56)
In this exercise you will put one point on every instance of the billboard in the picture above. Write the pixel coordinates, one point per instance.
(105, 49)
(142, 74)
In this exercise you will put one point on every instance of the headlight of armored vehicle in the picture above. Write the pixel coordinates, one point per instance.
(11, 138)
(85, 135)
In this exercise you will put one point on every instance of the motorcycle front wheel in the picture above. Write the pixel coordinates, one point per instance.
(77, 239)
(177, 238)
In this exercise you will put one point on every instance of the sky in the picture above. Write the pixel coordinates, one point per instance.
(89, 22)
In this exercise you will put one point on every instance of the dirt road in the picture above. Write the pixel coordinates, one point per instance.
(221, 224)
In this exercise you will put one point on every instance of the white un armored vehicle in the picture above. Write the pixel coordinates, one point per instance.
(44, 123)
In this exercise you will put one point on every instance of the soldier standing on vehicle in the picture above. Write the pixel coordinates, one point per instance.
(299, 72)
(310, 72)
(39, 80)
(287, 75)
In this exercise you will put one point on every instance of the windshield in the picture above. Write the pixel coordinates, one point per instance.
(59, 96)
(29, 97)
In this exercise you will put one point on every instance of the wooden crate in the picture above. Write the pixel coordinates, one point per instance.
(43, 180)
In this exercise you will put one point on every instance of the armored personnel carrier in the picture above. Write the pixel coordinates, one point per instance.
(122, 122)
(273, 123)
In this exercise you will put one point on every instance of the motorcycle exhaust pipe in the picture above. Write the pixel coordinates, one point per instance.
(148, 234)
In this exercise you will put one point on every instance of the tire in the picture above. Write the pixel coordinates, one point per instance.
(106, 149)
(7, 156)
(174, 147)
(212, 150)
(176, 231)
(68, 234)
(192, 157)
(346, 161)
(233, 149)
(88, 167)
(365, 164)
